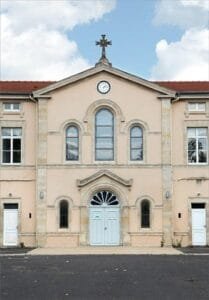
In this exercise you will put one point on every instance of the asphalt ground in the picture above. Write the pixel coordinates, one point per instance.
(104, 277)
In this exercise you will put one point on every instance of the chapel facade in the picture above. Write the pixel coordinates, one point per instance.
(104, 158)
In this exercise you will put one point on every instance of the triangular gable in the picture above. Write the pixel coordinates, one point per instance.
(96, 176)
(104, 68)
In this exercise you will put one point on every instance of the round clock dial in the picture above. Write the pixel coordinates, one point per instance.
(103, 87)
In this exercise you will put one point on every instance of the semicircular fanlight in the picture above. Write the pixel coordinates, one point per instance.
(104, 198)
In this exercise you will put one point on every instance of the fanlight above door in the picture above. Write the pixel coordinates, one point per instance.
(104, 198)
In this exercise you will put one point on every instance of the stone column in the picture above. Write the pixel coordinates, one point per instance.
(166, 172)
(41, 173)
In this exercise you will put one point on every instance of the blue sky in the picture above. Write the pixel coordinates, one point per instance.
(154, 39)
(134, 36)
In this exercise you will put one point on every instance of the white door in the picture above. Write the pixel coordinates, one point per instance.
(10, 235)
(104, 226)
(198, 227)
(104, 219)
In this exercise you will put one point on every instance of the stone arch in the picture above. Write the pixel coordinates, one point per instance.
(136, 122)
(102, 103)
(89, 193)
(69, 122)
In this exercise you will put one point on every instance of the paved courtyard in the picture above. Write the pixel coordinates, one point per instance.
(104, 277)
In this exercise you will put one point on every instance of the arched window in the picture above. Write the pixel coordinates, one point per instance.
(63, 214)
(72, 143)
(145, 214)
(104, 135)
(136, 143)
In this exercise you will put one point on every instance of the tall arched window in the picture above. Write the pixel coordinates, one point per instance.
(104, 135)
(72, 143)
(63, 214)
(145, 214)
(136, 143)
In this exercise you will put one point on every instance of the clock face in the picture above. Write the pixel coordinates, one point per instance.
(103, 87)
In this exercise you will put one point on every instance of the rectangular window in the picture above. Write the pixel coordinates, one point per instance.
(197, 106)
(11, 107)
(197, 139)
(11, 145)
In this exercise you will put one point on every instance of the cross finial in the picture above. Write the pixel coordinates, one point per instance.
(103, 43)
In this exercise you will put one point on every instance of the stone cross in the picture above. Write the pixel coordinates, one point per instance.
(103, 42)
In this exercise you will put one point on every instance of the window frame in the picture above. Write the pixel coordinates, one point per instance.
(196, 110)
(12, 137)
(112, 159)
(136, 148)
(197, 137)
(78, 143)
(141, 214)
(11, 110)
(61, 202)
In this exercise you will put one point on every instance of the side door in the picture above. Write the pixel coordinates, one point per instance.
(10, 224)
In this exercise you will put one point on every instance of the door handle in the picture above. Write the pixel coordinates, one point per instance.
(105, 228)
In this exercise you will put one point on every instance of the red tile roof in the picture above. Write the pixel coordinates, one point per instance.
(185, 86)
(26, 87)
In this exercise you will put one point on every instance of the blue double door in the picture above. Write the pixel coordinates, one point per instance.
(104, 226)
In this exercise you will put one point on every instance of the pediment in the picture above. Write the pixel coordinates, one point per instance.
(103, 173)
(99, 69)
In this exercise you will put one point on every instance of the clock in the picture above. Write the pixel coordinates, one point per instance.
(103, 87)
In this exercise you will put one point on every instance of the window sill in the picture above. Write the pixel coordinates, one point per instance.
(197, 164)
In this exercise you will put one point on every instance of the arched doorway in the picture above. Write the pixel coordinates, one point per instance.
(104, 223)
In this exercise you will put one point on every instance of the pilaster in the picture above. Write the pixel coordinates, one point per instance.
(166, 172)
(41, 196)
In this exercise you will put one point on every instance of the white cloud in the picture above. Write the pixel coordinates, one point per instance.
(34, 40)
(182, 13)
(188, 58)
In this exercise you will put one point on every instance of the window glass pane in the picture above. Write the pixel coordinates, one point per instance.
(202, 155)
(191, 132)
(17, 131)
(6, 144)
(201, 106)
(105, 143)
(136, 142)
(72, 143)
(71, 154)
(145, 214)
(16, 156)
(202, 144)
(136, 132)
(191, 144)
(137, 154)
(72, 131)
(6, 131)
(104, 155)
(192, 106)
(7, 106)
(192, 157)
(104, 117)
(6, 157)
(16, 144)
(201, 131)
(104, 131)
(63, 214)
(16, 106)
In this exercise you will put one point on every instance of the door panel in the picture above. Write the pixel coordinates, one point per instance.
(96, 226)
(112, 226)
(104, 226)
(10, 227)
(198, 227)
